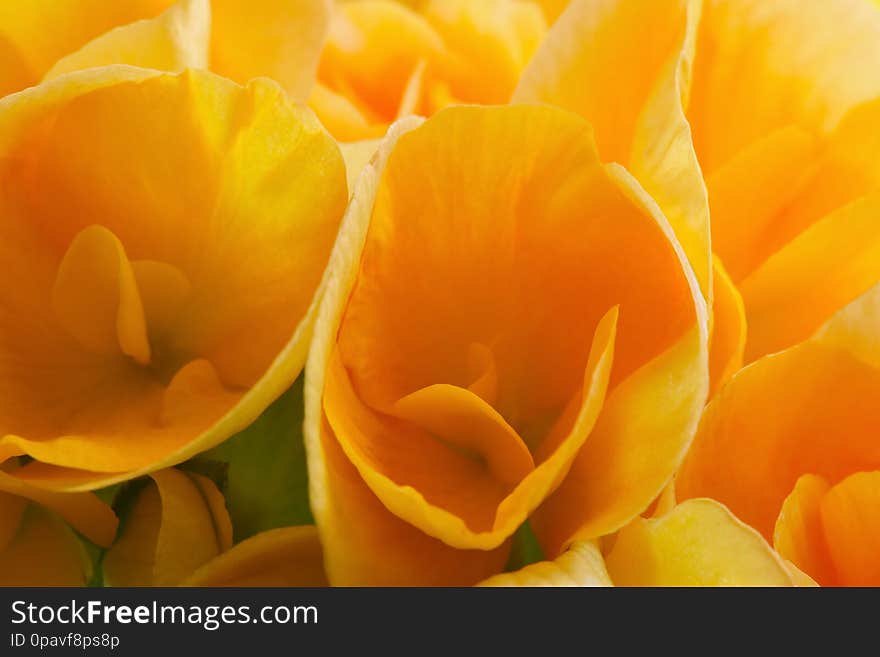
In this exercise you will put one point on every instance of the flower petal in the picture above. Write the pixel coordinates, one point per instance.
(278, 39)
(809, 409)
(761, 67)
(634, 103)
(377, 547)
(728, 337)
(289, 556)
(698, 543)
(580, 565)
(176, 39)
(851, 518)
(44, 552)
(799, 536)
(34, 48)
(795, 290)
(176, 524)
(83, 511)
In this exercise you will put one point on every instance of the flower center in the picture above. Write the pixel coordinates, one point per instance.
(112, 305)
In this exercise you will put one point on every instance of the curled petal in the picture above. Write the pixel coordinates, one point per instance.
(177, 523)
(636, 104)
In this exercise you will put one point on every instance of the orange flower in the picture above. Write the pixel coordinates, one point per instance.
(510, 332)
(167, 235)
(37, 547)
(385, 59)
(790, 445)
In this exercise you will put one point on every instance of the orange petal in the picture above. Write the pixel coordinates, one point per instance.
(851, 518)
(44, 552)
(798, 288)
(635, 104)
(808, 410)
(289, 556)
(377, 548)
(176, 524)
(96, 297)
(83, 511)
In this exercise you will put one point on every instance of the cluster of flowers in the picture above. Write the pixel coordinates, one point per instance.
(582, 293)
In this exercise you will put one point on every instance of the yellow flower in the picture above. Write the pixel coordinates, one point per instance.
(239, 39)
(167, 235)
(511, 331)
(385, 59)
(790, 445)
(178, 532)
(37, 546)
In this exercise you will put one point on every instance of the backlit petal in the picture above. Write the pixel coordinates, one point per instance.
(698, 543)
(176, 39)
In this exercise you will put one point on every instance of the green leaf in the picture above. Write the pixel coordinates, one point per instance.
(262, 470)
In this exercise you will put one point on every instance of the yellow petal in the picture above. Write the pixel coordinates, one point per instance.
(44, 552)
(177, 523)
(289, 556)
(278, 39)
(698, 543)
(728, 337)
(225, 235)
(580, 565)
(634, 103)
(33, 48)
(176, 39)
(761, 67)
